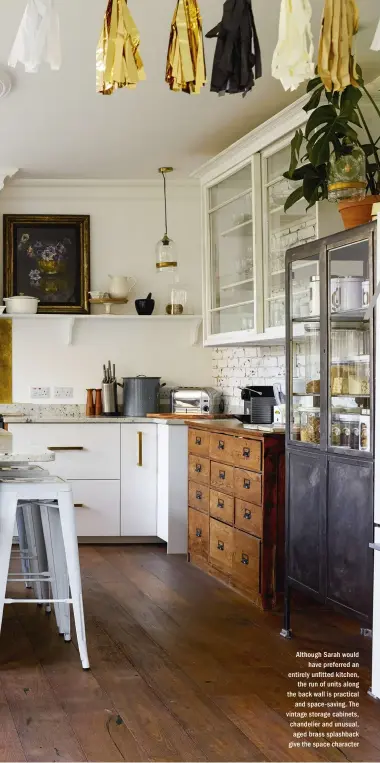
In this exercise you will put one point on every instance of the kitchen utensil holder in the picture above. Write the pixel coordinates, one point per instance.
(109, 397)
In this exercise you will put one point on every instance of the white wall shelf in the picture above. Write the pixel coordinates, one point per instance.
(68, 322)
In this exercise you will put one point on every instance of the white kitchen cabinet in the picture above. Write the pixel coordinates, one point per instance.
(246, 233)
(97, 508)
(82, 451)
(138, 488)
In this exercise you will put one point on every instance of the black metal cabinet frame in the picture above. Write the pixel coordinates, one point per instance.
(327, 555)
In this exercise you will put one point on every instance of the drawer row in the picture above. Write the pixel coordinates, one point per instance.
(229, 479)
(233, 511)
(234, 553)
(237, 451)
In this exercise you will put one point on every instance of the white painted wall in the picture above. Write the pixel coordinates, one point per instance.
(126, 222)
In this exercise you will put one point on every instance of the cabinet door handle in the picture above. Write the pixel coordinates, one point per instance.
(247, 484)
(65, 447)
(220, 545)
(140, 449)
(247, 514)
(78, 505)
(198, 532)
(222, 475)
(246, 452)
(244, 559)
(198, 468)
(220, 504)
(198, 495)
(198, 440)
(221, 445)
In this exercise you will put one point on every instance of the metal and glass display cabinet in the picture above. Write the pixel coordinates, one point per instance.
(330, 423)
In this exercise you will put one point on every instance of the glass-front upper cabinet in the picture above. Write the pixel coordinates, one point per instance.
(231, 271)
(282, 230)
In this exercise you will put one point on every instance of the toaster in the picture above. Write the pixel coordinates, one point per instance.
(196, 400)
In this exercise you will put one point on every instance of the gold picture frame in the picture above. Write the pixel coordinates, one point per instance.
(48, 256)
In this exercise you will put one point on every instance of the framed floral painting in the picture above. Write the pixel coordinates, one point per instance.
(48, 257)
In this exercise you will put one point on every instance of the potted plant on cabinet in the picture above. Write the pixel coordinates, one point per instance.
(329, 157)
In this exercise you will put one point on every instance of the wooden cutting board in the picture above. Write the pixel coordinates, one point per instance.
(190, 416)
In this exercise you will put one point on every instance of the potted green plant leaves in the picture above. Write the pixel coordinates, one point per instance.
(327, 157)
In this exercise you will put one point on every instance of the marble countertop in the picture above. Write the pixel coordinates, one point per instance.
(32, 456)
(24, 419)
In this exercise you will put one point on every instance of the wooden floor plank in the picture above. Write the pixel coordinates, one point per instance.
(90, 710)
(183, 669)
(42, 725)
(208, 726)
(10, 745)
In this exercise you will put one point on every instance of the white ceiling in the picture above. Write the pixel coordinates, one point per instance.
(55, 125)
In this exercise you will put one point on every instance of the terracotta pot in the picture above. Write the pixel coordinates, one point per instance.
(357, 212)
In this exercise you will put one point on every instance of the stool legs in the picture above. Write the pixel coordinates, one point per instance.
(57, 566)
(23, 544)
(67, 518)
(36, 546)
(8, 508)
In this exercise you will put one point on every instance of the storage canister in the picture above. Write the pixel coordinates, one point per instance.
(365, 430)
(310, 425)
(336, 431)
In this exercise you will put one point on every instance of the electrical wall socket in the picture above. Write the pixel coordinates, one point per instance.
(39, 393)
(63, 393)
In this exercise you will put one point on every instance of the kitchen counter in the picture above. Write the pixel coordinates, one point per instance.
(89, 420)
(233, 427)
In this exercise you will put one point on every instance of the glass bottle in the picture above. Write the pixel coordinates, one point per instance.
(347, 174)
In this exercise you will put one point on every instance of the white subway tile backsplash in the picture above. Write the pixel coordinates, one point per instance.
(240, 366)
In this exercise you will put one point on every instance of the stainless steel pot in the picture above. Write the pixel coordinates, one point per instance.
(141, 395)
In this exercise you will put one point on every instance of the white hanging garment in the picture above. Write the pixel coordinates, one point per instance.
(376, 40)
(38, 37)
(293, 57)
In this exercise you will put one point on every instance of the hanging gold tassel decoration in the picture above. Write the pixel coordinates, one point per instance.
(118, 62)
(185, 65)
(336, 59)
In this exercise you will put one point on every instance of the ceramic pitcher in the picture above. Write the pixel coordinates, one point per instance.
(120, 286)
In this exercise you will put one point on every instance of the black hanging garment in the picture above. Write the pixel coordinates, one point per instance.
(237, 51)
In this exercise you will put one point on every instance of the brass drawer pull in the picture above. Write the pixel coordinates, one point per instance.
(198, 468)
(247, 484)
(78, 505)
(246, 452)
(220, 545)
(140, 448)
(221, 445)
(220, 504)
(65, 447)
(244, 559)
(247, 514)
(198, 532)
(222, 475)
(198, 440)
(198, 495)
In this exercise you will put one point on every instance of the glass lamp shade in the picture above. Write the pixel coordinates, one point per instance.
(166, 255)
(347, 175)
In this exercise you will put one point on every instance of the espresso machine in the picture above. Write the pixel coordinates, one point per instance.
(259, 403)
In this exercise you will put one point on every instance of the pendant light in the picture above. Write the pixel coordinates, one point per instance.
(166, 253)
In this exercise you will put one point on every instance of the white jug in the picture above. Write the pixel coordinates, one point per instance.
(120, 286)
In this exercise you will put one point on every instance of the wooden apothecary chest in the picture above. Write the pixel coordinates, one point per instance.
(236, 507)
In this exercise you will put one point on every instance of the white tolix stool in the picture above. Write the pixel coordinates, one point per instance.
(47, 500)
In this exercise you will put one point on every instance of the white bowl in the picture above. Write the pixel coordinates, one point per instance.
(97, 294)
(2, 309)
(21, 305)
